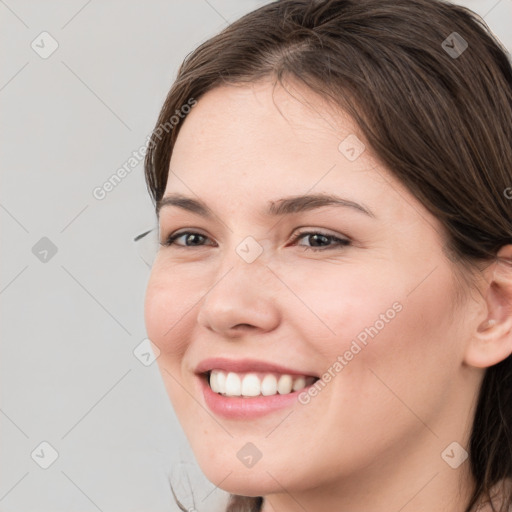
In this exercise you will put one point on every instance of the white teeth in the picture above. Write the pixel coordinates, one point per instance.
(233, 385)
(299, 383)
(284, 384)
(213, 381)
(250, 384)
(269, 385)
(221, 381)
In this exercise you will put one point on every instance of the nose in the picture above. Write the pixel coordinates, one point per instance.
(242, 299)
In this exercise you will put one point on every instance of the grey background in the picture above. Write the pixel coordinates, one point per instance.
(71, 320)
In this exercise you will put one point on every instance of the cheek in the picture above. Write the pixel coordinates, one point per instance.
(170, 313)
(397, 309)
(168, 317)
(167, 310)
(406, 363)
(394, 332)
(341, 303)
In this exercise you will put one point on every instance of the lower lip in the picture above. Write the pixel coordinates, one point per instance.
(237, 407)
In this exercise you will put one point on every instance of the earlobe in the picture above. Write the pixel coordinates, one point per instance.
(491, 341)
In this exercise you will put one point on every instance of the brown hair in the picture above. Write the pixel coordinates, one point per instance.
(437, 114)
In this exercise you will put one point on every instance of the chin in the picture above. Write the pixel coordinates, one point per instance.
(261, 479)
(245, 482)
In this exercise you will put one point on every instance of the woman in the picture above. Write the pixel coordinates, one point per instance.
(332, 298)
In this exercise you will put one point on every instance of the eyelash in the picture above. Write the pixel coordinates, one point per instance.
(340, 242)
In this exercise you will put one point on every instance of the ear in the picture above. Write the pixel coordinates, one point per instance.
(491, 341)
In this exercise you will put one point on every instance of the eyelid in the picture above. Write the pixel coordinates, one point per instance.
(340, 241)
(320, 231)
(180, 232)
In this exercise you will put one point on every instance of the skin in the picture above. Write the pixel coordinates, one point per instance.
(372, 439)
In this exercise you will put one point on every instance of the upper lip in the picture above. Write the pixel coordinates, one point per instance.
(246, 365)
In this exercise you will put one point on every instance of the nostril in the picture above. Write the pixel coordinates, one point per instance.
(244, 326)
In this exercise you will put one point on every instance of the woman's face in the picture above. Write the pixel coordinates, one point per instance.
(364, 297)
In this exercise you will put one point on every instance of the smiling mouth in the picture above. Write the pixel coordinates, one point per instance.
(255, 384)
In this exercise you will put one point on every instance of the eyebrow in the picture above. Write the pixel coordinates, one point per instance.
(285, 206)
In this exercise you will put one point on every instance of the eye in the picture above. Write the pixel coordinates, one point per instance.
(320, 241)
(325, 240)
(190, 237)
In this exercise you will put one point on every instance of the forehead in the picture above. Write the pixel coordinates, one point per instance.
(241, 117)
(247, 131)
(243, 145)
